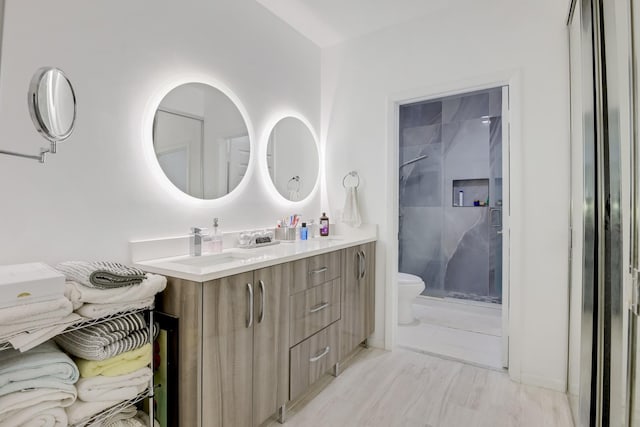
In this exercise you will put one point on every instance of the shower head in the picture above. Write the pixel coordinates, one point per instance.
(417, 159)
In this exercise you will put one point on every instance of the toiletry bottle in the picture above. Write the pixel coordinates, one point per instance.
(311, 225)
(324, 225)
(216, 238)
(304, 232)
(460, 198)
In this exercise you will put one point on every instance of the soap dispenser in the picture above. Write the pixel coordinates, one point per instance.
(215, 238)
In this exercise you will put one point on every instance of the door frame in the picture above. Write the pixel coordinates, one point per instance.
(512, 202)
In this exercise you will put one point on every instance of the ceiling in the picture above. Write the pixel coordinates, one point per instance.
(328, 22)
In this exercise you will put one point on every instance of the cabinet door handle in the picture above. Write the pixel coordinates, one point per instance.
(319, 307)
(250, 304)
(363, 267)
(263, 294)
(359, 264)
(321, 355)
(318, 271)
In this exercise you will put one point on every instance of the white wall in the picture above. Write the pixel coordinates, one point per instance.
(452, 49)
(101, 190)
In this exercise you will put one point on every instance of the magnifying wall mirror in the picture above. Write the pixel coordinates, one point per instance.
(52, 106)
(201, 141)
(292, 159)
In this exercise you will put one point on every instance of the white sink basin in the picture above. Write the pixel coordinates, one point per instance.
(210, 260)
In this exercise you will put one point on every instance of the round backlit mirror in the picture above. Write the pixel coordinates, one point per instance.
(292, 159)
(52, 104)
(201, 140)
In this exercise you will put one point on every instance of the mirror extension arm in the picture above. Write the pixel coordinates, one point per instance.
(39, 158)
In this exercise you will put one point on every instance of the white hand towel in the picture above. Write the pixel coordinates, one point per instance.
(351, 211)
(150, 286)
(101, 388)
(45, 414)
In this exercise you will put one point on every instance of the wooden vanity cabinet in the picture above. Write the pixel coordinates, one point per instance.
(358, 297)
(251, 342)
(243, 372)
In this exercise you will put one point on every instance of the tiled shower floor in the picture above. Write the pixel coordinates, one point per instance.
(456, 329)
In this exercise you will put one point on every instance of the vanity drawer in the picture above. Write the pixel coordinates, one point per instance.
(313, 310)
(315, 270)
(311, 359)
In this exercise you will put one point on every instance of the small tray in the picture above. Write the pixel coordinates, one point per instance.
(259, 245)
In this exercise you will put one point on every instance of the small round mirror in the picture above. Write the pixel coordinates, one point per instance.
(201, 140)
(292, 159)
(52, 104)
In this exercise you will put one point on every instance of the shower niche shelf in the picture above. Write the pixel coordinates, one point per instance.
(472, 189)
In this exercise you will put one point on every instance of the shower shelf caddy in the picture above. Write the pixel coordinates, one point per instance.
(473, 189)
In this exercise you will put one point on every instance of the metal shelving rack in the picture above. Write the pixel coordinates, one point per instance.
(149, 393)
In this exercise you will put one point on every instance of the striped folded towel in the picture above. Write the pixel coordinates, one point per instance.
(107, 339)
(101, 274)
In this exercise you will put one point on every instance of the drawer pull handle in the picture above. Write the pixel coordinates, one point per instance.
(318, 271)
(321, 355)
(319, 307)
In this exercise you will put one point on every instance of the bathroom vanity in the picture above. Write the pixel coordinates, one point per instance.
(257, 328)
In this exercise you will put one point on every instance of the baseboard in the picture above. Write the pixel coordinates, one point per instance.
(557, 385)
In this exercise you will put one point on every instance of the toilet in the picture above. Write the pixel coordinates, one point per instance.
(409, 287)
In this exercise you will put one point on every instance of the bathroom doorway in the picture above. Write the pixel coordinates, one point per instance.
(452, 190)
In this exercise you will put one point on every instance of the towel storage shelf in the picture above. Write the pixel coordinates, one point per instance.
(106, 414)
(87, 322)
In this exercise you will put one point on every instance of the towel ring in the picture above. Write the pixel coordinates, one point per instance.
(294, 184)
(352, 174)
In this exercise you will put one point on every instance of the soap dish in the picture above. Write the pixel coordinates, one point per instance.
(258, 245)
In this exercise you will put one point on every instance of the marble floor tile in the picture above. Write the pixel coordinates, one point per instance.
(468, 332)
(405, 389)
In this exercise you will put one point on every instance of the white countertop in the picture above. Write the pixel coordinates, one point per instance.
(235, 260)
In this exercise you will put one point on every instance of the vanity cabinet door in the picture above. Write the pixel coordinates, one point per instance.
(270, 340)
(227, 351)
(358, 275)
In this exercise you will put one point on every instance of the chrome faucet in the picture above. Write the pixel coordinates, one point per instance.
(195, 241)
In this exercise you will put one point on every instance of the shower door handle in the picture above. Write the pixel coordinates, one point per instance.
(493, 223)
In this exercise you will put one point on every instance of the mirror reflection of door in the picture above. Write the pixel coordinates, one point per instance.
(237, 160)
(178, 140)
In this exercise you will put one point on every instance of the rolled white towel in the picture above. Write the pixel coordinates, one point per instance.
(43, 367)
(125, 417)
(46, 414)
(27, 340)
(101, 388)
(80, 412)
(64, 395)
(152, 285)
(95, 311)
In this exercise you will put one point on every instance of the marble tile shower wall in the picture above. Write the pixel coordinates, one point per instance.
(456, 250)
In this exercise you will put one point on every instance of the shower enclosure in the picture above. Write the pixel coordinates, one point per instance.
(451, 194)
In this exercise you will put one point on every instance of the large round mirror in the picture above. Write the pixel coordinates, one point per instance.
(52, 104)
(292, 159)
(201, 140)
